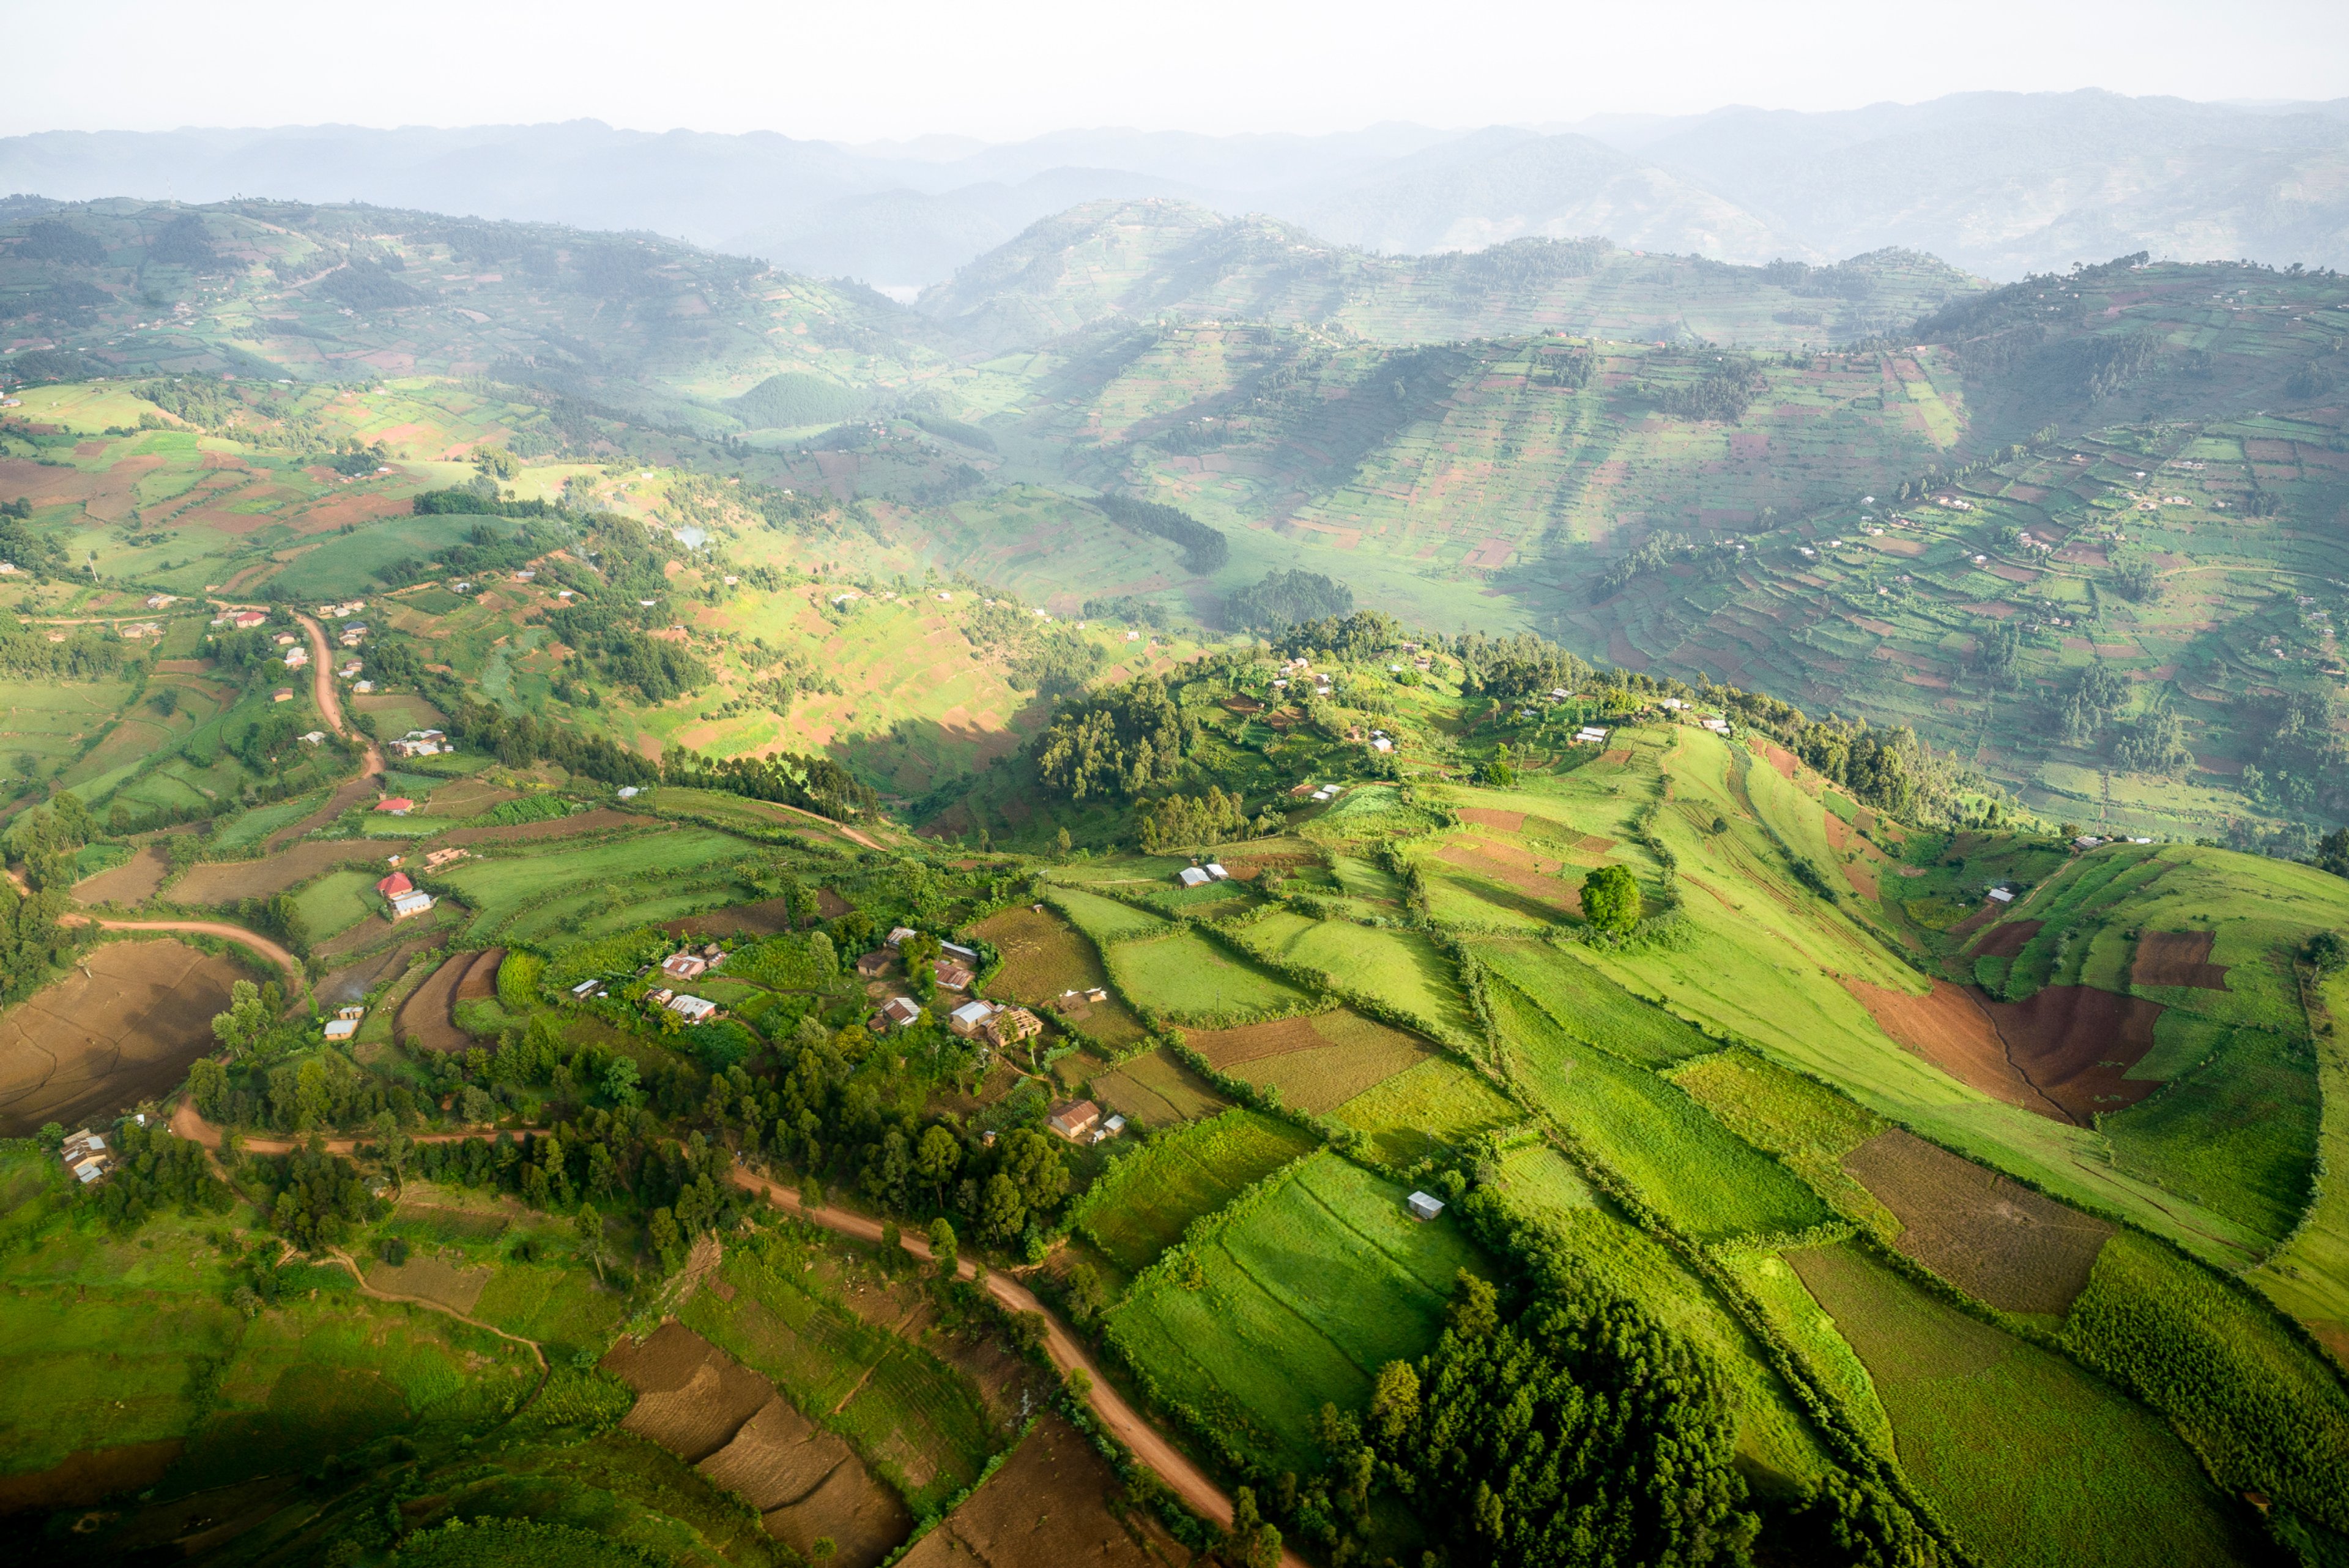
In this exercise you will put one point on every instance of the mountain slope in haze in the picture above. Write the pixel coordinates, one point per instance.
(1142, 259)
(2000, 183)
(2004, 184)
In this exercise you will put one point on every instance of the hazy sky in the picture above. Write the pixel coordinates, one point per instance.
(857, 71)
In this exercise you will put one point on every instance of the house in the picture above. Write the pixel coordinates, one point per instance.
(2001, 895)
(351, 1012)
(1216, 872)
(952, 975)
(1073, 1121)
(693, 1008)
(970, 1018)
(628, 791)
(412, 903)
(82, 1145)
(2086, 841)
(898, 935)
(1010, 1025)
(246, 621)
(341, 1028)
(286, 639)
(364, 685)
(314, 738)
(902, 1011)
(874, 964)
(1380, 744)
(283, 694)
(1718, 726)
(440, 858)
(295, 657)
(1109, 1129)
(397, 805)
(586, 989)
(1192, 876)
(1674, 704)
(393, 886)
(684, 966)
(157, 601)
(1424, 1206)
(956, 949)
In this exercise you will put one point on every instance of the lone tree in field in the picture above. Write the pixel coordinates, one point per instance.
(1610, 900)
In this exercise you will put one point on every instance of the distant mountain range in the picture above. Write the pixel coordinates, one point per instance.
(1997, 184)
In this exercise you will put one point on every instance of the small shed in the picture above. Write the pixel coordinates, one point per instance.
(902, 1011)
(1192, 876)
(898, 935)
(874, 964)
(342, 1028)
(1424, 1206)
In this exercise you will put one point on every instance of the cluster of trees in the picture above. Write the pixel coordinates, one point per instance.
(816, 784)
(483, 548)
(1055, 664)
(315, 1200)
(1179, 819)
(2153, 742)
(2096, 695)
(53, 241)
(519, 739)
(2303, 762)
(1582, 1432)
(86, 654)
(1516, 667)
(154, 1170)
(1360, 637)
(1204, 549)
(46, 837)
(1718, 559)
(1117, 742)
(1610, 900)
(1284, 598)
(1890, 770)
(1721, 394)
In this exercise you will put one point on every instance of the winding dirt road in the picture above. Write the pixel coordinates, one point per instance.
(220, 928)
(330, 701)
(187, 1124)
(1189, 1482)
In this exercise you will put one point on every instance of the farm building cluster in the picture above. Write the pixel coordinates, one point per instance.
(1080, 1121)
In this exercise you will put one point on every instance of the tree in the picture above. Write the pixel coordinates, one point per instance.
(245, 1022)
(588, 1225)
(208, 1087)
(620, 1080)
(944, 1249)
(2332, 852)
(1610, 900)
(935, 1159)
(2326, 953)
(1004, 1213)
(394, 1146)
(1394, 1401)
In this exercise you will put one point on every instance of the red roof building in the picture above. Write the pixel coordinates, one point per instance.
(395, 802)
(393, 886)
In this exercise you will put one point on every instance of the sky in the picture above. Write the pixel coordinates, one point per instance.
(859, 72)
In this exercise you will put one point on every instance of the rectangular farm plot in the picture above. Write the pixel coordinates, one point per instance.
(1991, 1237)
(1299, 1299)
(1105, 920)
(1403, 969)
(1187, 975)
(1650, 1133)
(1593, 1007)
(1145, 1201)
(1418, 1114)
(1318, 1062)
(336, 902)
(1044, 959)
(2033, 1460)
(1157, 1090)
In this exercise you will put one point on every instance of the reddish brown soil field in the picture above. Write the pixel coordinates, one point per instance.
(2006, 1244)
(132, 882)
(427, 1018)
(1227, 1048)
(1489, 817)
(1049, 1504)
(1982, 917)
(2163, 958)
(121, 1028)
(481, 981)
(1950, 1029)
(599, 820)
(2074, 1042)
(702, 1404)
(225, 881)
(1547, 894)
(2007, 940)
(89, 1477)
(760, 920)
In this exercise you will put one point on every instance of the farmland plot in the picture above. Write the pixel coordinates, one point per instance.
(1400, 969)
(1318, 1062)
(1300, 1298)
(1142, 1205)
(1187, 975)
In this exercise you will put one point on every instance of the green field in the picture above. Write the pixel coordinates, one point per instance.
(1105, 920)
(1660, 1142)
(337, 901)
(1305, 1294)
(585, 889)
(1185, 975)
(1397, 970)
(1145, 1201)
(1423, 1110)
(2031, 1460)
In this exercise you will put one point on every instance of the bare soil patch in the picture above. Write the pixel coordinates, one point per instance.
(1155, 1088)
(121, 1028)
(1050, 1502)
(1227, 1048)
(2013, 1248)
(433, 1280)
(2175, 958)
(1318, 1062)
(90, 1476)
(481, 981)
(1493, 817)
(428, 1018)
(2007, 940)
(600, 820)
(2077, 1043)
(1950, 1029)
(764, 919)
(226, 881)
(700, 1404)
(831, 905)
(348, 984)
(132, 882)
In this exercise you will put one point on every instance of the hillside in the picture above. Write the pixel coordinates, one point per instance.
(1146, 260)
(1868, 1159)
